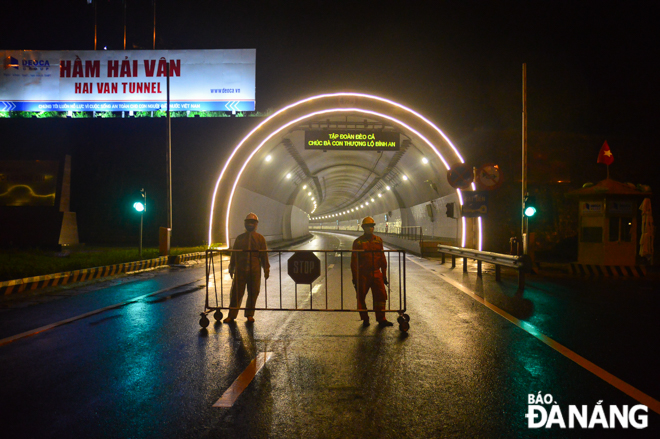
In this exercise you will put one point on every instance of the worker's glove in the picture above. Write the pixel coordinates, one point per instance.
(266, 274)
(354, 283)
(231, 274)
(385, 281)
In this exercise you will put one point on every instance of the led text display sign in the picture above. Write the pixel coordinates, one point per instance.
(351, 140)
(131, 80)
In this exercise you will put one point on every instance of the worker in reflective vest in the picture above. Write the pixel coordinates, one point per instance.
(245, 269)
(369, 269)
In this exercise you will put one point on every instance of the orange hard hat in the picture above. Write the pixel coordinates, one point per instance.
(252, 217)
(368, 220)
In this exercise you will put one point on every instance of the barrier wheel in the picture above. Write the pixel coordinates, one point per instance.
(204, 321)
(406, 317)
(217, 315)
(401, 320)
(404, 327)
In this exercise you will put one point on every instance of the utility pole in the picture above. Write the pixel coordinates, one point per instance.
(525, 223)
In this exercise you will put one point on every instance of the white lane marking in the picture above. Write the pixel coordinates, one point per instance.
(8, 340)
(601, 373)
(243, 380)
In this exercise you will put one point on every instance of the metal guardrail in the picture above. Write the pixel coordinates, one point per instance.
(522, 264)
(411, 233)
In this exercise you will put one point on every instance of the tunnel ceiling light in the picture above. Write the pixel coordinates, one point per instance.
(388, 188)
(305, 187)
(373, 201)
(405, 178)
(380, 195)
(425, 160)
(312, 198)
(309, 194)
(367, 203)
(361, 205)
(269, 158)
(288, 176)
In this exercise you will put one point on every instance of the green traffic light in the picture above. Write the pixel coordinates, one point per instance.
(530, 211)
(139, 206)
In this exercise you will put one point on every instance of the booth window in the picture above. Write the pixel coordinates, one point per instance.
(620, 228)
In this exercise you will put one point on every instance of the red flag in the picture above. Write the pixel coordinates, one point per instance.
(605, 155)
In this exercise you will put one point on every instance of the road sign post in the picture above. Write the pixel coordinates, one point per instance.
(304, 267)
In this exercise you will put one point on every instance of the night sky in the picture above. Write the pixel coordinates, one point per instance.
(591, 64)
(592, 72)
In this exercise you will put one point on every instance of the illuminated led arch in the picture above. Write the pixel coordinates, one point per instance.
(337, 109)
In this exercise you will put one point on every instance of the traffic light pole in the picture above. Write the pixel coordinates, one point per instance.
(144, 201)
(141, 223)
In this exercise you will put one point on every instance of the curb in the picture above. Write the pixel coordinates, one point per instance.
(608, 270)
(187, 257)
(69, 277)
(590, 270)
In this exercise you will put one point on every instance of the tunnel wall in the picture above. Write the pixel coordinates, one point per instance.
(439, 226)
(277, 221)
(295, 223)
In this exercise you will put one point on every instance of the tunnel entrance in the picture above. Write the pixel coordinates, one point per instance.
(282, 173)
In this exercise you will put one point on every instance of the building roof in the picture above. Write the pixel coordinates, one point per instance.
(611, 187)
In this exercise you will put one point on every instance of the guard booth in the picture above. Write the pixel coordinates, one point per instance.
(608, 223)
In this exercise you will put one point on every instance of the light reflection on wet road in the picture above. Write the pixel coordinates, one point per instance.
(146, 369)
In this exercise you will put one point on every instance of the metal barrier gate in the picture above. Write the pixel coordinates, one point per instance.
(325, 294)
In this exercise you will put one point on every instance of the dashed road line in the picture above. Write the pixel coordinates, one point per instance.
(244, 379)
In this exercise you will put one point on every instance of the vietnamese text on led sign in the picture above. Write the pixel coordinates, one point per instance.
(200, 80)
(351, 140)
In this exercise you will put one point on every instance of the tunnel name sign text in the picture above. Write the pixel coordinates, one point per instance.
(343, 140)
(128, 80)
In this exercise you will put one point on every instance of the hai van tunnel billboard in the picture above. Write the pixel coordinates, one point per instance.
(128, 80)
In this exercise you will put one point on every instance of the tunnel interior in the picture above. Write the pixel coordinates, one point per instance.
(293, 188)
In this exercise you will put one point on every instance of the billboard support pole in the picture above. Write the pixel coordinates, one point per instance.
(154, 25)
(124, 24)
(95, 24)
(169, 154)
(165, 233)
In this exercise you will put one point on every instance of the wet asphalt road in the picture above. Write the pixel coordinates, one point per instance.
(147, 370)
